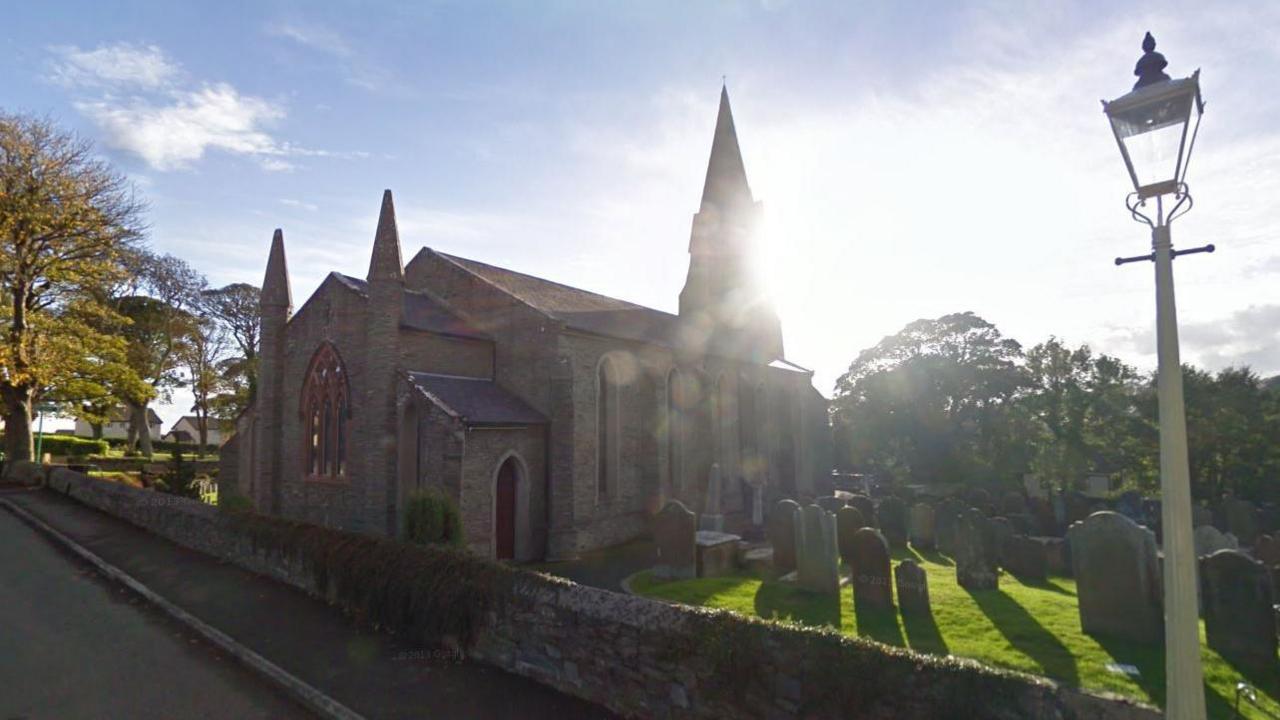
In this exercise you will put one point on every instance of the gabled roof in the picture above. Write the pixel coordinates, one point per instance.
(422, 312)
(475, 401)
(576, 308)
(120, 414)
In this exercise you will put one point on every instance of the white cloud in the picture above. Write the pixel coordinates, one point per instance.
(290, 202)
(123, 64)
(312, 36)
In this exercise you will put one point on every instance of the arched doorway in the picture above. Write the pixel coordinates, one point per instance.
(504, 523)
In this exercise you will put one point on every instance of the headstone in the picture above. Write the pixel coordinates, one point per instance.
(975, 566)
(1129, 504)
(817, 566)
(1242, 520)
(1267, 549)
(717, 553)
(781, 530)
(1033, 486)
(872, 586)
(920, 526)
(1057, 554)
(1201, 515)
(1025, 558)
(1208, 540)
(1024, 524)
(1117, 578)
(1078, 506)
(945, 518)
(757, 504)
(830, 503)
(1001, 530)
(979, 498)
(892, 516)
(865, 506)
(1154, 512)
(849, 520)
(1239, 613)
(712, 518)
(673, 532)
(1042, 510)
(913, 588)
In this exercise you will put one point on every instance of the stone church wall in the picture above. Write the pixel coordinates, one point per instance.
(640, 657)
(485, 448)
(422, 351)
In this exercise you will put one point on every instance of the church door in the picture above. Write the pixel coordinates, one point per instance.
(505, 514)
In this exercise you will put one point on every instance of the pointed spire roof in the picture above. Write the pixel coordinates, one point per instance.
(726, 183)
(386, 263)
(275, 285)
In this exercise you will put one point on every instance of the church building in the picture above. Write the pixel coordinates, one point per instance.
(559, 420)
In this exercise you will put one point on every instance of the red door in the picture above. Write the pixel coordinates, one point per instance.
(505, 514)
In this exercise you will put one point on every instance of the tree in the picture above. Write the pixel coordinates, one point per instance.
(236, 308)
(201, 354)
(66, 218)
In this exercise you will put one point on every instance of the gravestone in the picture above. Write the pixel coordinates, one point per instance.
(674, 529)
(1057, 554)
(1025, 558)
(712, 518)
(1001, 530)
(1078, 506)
(892, 517)
(1242, 520)
(1012, 504)
(1239, 612)
(913, 588)
(1117, 578)
(817, 567)
(872, 586)
(1209, 540)
(1154, 511)
(1267, 550)
(1042, 510)
(1201, 515)
(757, 504)
(849, 520)
(717, 553)
(974, 546)
(1129, 504)
(830, 503)
(920, 526)
(781, 530)
(979, 498)
(865, 506)
(1024, 524)
(944, 522)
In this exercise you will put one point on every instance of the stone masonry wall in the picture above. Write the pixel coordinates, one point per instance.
(643, 658)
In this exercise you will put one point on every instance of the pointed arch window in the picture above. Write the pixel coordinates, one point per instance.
(325, 411)
(608, 421)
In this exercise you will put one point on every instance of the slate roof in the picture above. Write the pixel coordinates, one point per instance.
(577, 308)
(120, 414)
(476, 401)
(421, 312)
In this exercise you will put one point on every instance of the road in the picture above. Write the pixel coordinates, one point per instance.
(74, 645)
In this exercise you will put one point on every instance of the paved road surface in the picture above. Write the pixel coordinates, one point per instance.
(74, 645)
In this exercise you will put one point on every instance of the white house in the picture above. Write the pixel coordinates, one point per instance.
(187, 430)
(117, 427)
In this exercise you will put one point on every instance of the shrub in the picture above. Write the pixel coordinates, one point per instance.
(179, 478)
(71, 446)
(234, 502)
(431, 517)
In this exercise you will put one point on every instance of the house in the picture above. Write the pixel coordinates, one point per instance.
(117, 425)
(187, 430)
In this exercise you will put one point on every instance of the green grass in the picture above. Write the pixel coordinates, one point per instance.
(1032, 628)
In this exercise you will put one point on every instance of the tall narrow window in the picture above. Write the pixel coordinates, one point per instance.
(675, 433)
(607, 421)
(324, 411)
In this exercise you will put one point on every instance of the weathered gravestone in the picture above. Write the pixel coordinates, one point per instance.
(945, 518)
(1129, 504)
(817, 566)
(974, 551)
(1201, 515)
(913, 588)
(717, 552)
(1117, 578)
(674, 529)
(1209, 540)
(865, 506)
(1242, 520)
(872, 585)
(712, 517)
(920, 526)
(1267, 550)
(849, 520)
(1025, 558)
(1001, 530)
(1012, 503)
(892, 517)
(1239, 612)
(781, 530)
(830, 503)
(1046, 523)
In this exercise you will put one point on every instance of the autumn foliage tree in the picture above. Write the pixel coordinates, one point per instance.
(66, 220)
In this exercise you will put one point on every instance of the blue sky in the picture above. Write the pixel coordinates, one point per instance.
(913, 159)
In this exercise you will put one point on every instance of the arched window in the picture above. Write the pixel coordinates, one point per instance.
(607, 430)
(675, 432)
(324, 412)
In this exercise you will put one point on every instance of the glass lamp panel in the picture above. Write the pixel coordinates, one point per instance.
(1152, 135)
(1192, 127)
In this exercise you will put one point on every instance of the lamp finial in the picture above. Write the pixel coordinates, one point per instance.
(1150, 67)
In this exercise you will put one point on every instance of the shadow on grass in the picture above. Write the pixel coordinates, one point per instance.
(1026, 634)
(923, 634)
(784, 602)
(924, 555)
(879, 624)
(1046, 584)
(1149, 660)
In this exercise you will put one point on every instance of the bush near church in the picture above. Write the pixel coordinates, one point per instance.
(431, 518)
(70, 446)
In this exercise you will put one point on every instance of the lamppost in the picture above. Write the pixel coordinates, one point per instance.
(1155, 126)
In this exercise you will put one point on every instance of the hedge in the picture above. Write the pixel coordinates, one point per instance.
(71, 446)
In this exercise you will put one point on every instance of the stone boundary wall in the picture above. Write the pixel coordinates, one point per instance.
(643, 658)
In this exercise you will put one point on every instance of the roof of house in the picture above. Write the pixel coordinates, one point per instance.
(577, 308)
(422, 312)
(476, 401)
(120, 414)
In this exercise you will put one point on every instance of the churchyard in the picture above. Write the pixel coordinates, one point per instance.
(1078, 602)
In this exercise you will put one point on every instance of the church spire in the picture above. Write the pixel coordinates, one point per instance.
(275, 285)
(726, 185)
(385, 264)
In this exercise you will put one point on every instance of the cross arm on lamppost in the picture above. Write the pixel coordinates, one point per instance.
(1155, 127)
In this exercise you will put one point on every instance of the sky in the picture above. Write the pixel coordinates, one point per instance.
(912, 159)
